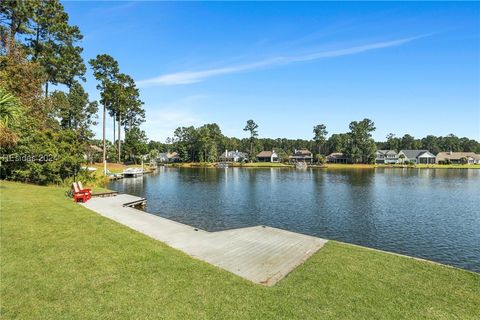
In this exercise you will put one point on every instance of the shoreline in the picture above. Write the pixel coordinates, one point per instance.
(316, 166)
(187, 226)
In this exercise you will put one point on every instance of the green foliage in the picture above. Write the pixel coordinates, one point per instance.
(360, 146)
(10, 108)
(43, 157)
(432, 143)
(320, 159)
(119, 95)
(75, 111)
(282, 155)
(53, 44)
(196, 144)
(252, 127)
(135, 145)
(320, 135)
(43, 29)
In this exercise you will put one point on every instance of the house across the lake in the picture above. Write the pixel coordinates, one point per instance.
(303, 155)
(386, 156)
(337, 157)
(233, 156)
(458, 157)
(416, 156)
(168, 157)
(267, 156)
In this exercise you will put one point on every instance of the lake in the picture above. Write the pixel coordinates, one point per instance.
(428, 213)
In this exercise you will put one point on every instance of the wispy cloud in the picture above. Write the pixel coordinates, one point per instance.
(187, 77)
(164, 118)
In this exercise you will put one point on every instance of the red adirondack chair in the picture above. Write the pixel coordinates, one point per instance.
(78, 195)
(85, 190)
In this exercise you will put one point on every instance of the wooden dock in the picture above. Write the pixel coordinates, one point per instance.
(260, 254)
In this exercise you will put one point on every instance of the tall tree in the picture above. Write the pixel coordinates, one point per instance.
(53, 44)
(361, 147)
(320, 135)
(42, 27)
(105, 70)
(337, 142)
(128, 106)
(252, 128)
(15, 19)
(407, 142)
(21, 77)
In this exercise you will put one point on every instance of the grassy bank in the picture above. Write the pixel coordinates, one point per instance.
(59, 260)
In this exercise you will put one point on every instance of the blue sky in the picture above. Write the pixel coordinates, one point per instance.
(410, 67)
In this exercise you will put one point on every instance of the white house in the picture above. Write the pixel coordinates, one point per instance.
(416, 156)
(233, 156)
(337, 157)
(168, 157)
(386, 156)
(267, 156)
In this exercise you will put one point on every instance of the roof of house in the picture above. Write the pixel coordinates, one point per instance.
(413, 154)
(303, 152)
(265, 154)
(336, 155)
(95, 148)
(168, 155)
(393, 152)
(457, 155)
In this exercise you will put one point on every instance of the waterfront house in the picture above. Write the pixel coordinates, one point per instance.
(416, 156)
(168, 157)
(303, 155)
(386, 156)
(233, 156)
(458, 157)
(267, 156)
(337, 157)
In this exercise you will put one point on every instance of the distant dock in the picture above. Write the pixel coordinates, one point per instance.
(132, 172)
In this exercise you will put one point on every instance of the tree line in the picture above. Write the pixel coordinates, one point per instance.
(46, 116)
(207, 143)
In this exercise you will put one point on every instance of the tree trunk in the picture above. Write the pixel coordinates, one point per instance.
(104, 143)
(251, 149)
(119, 137)
(46, 89)
(114, 130)
(37, 39)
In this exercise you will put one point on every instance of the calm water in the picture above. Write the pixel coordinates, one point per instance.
(433, 214)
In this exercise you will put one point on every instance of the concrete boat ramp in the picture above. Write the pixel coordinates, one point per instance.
(263, 255)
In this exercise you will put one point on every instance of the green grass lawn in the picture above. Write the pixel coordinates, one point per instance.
(59, 260)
